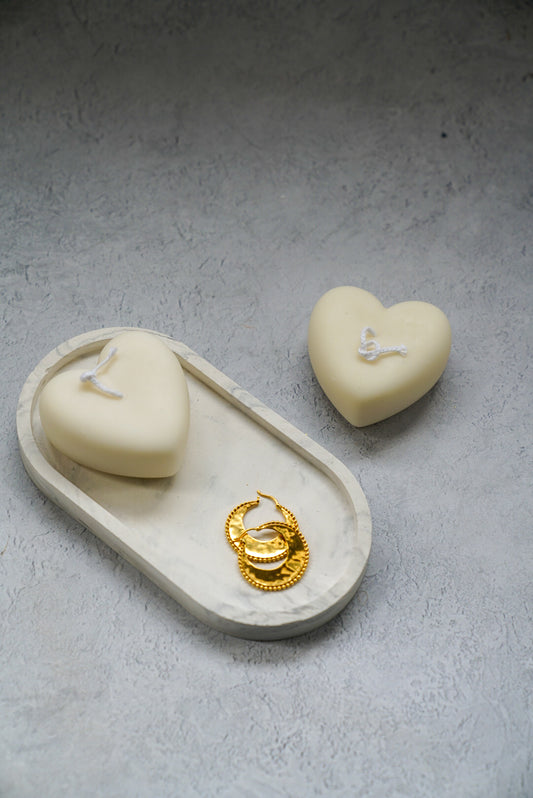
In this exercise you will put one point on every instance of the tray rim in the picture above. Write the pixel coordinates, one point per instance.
(59, 489)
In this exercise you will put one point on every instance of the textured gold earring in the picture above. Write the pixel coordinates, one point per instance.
(255, 549)
(287, 544)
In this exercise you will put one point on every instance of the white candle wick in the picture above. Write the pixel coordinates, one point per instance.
(371, 350)
(90, 376)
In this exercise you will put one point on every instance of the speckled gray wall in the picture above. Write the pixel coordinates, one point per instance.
(208, 170)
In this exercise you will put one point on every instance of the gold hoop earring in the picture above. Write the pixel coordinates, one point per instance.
(287, 544)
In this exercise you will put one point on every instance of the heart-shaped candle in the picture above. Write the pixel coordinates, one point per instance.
(372, 361)
(128, 416)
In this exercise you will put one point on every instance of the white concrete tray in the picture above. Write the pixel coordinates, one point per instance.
(173, 529)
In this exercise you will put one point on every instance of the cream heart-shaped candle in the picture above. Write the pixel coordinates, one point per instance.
(128, 416)
(372, 361)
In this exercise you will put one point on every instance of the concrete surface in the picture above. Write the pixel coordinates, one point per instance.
(209, 169)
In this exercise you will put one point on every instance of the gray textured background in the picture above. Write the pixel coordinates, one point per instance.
(209, 169)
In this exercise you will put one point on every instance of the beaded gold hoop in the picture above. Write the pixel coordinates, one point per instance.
(287, 544)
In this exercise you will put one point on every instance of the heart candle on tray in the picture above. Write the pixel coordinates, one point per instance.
(129, 415)
(372, 361)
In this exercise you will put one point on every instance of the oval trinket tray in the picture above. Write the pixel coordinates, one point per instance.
(173, 529)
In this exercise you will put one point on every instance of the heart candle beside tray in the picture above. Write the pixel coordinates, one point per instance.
(372, 361)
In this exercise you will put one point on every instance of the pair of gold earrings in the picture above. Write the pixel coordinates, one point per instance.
(287, 544)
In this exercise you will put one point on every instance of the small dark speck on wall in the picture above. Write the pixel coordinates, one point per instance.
(443, 135)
